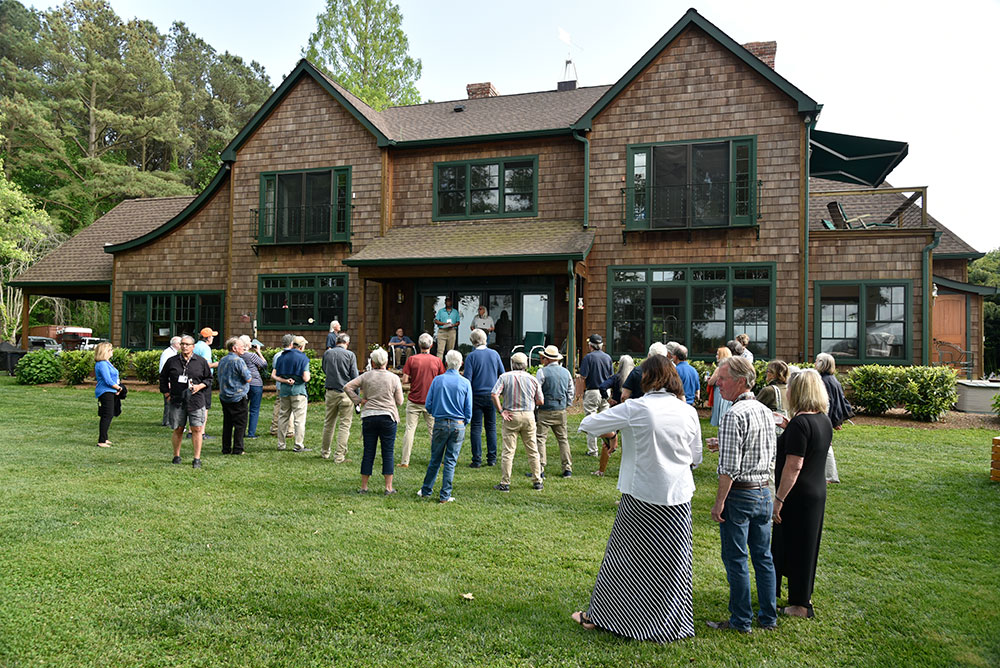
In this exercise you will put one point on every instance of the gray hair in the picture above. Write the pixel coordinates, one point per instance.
(739, 368)
(426, 341)
(657, 348)
(334, 325)
(175, 341)
(478, 337)
(825, 363)
(681, 352)
(379, 358)
(672, 347)
(232, 342)
(453, 359)
(518, 362)
(735, 347)
(287, 340)
(187, 337)
(245, 340)
(343, 337)
(625, 366)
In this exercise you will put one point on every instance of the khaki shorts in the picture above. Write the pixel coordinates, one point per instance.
(178, 415)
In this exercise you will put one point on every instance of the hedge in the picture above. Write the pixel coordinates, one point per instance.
(41, 366)
(77, 365)
(926, 392)
(147, 365)
(121, 359)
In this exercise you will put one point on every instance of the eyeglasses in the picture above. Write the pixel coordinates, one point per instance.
(187, 344)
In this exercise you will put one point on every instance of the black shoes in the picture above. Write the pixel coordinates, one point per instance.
(726, 626)
(502, 487)
(474, 465)
(567, 474)
(176, 460)
(196, 463)
(539, 486)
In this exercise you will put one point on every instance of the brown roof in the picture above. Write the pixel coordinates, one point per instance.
(82, 257)
(487, 240)
(878, 207)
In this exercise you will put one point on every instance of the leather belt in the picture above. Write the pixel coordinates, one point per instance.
(750, 485)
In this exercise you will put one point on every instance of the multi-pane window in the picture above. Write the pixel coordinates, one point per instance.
(485, 188)
(305, 207)
(701, 307)
(878, 336)
(698, 184)
(152, 318)
(302, 300)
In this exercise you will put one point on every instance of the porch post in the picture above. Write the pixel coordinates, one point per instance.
(25, 312)
(571, 336)
(362, 341)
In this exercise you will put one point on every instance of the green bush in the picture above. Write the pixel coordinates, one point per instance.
(121, 359)
(704, 370)
(218, 354)
(996, 404)
(317, 381)
(77, 365)
(268, 355)
(39, 367)
(929, 391)
(147, 365)
(760, 366)
(876, 388)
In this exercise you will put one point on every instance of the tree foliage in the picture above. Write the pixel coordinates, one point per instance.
(986, 271)
(362, 46)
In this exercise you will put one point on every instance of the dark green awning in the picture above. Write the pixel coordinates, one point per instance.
(851, 159)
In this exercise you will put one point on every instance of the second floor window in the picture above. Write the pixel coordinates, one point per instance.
(495, 188)
(305, 207)
(690, 185)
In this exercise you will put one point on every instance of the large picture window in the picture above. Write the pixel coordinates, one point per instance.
(305, 207)
(304, 301)
(495, 188)
(863, 322)
(152, 318)
(690, 185)
(699, 306)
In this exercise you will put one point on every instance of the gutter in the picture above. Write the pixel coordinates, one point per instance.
(926, 301)
(586, 177)
(810, 124)
(571, 317)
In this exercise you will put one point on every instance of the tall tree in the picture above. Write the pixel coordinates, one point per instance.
(362, 46)
(986, 271)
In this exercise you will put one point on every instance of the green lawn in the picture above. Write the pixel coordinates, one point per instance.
(117, 557)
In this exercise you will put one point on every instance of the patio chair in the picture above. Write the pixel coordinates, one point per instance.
(532, 346)
(949, 354)
(828, 224)
(840, 216)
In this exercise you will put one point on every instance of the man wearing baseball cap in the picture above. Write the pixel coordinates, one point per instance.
(595, 368)
(557, 390)
(203, 349)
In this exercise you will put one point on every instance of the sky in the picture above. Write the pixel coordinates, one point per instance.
(920, 71)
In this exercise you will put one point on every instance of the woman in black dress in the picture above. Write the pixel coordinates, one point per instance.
(800, 499)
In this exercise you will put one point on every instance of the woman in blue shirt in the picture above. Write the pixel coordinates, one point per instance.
(107, 391)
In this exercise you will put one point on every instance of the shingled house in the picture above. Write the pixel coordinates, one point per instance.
(674, 204)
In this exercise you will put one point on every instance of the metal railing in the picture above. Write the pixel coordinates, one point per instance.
(296, 224)
(691, 206)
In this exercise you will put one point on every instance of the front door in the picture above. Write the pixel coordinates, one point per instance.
(949, 323)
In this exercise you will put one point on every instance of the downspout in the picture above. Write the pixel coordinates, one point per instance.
(571, 335)
(926, 301)
(586, 177)
(810, 124)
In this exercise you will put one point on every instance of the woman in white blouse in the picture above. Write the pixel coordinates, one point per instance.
(643, 588)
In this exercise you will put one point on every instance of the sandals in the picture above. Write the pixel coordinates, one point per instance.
(581, 618)
(597, 473)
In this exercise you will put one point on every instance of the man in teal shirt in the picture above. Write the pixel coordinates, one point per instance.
(447, 320)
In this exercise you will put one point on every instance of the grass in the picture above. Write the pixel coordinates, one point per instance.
(116, 557)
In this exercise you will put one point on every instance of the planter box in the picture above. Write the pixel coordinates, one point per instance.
(976, 396)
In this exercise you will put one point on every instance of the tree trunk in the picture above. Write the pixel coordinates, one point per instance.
(91, 120)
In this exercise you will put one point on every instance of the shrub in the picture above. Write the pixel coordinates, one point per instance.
(218, 354)
(876, 388)
(996, 403)
(704, 370)
(760, 366)
(147, 365)
(317, 381)
(121, 359)
(929, 391)
(268, 354)
(77, 365)
(39, 367)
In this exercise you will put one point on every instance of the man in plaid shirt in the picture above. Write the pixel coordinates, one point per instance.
(743, 503)
(521, 392)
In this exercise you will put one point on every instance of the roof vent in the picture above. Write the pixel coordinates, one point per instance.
(480, 90)
(569, 76)
(459, 107)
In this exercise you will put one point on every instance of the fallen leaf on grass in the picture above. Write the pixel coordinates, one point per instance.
(315, 532)
(350, 512)
(468, 596)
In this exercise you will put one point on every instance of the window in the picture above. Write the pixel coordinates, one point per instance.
(503, 187)
(689, 185)
(306, 301)
(701, 307)
(152, 318)
(880, 335)
(305, 207)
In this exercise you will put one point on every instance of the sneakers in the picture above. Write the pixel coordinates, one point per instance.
(567, 474)
(104, 445)
(281, 447)
(420, 493)
(176, 460)
(300, 448)
(726, 626)
(196, 463)
(502, 487)
(474, 465)
(325, 455)
(539, 486)
(448, 500)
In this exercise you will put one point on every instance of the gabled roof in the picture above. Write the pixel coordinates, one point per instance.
(82, 260)
(878, 207)
(692, 18)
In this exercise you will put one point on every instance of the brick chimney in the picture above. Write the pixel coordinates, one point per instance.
(763, 50)
(478, 90)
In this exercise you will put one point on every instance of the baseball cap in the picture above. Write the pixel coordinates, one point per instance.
(207, 332)
(596, 339)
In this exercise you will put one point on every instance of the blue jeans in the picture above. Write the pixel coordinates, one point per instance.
(483, 411)
(256, 392)
(747, 516)
(446, 443)
(373, 429)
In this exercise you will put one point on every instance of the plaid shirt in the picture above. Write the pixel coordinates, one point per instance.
(519, 390)
(746, 441)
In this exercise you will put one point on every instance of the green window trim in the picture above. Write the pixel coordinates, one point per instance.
(906, 349)
(486, 188)
(174, 311)
(679, 203)
(318, 214)
(688, 283)
(301, 297)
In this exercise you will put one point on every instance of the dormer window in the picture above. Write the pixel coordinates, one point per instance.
(305, 207)
(495, 188)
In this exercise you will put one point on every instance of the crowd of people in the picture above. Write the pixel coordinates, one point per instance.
(779, 439)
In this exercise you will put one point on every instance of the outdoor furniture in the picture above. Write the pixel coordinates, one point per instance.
(533, 344)
(840, 219)
(952, 355)
(828, 224)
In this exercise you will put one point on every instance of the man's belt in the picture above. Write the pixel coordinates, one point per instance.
(750, 485)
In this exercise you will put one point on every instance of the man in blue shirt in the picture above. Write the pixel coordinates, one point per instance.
(557, 389)
(482, 368)
(595, 368)
(447, 320)
(291, 373)
(689, 377)
(401, 347)
(234, 388)
(449, 401)
(204, 350)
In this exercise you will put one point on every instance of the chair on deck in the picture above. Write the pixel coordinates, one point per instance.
(841, 221)
(532, 346)
(952, 355)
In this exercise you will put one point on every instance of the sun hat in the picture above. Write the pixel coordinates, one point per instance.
(552, 353)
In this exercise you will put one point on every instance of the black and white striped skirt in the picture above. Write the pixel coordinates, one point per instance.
(643, 590)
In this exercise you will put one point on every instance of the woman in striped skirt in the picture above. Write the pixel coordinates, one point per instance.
(643, 589)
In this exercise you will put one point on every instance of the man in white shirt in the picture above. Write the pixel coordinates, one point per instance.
(168, 352)
(484, 322)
